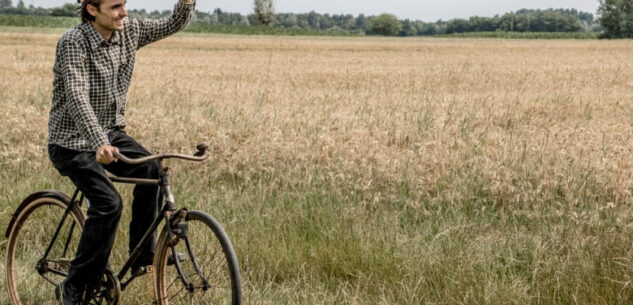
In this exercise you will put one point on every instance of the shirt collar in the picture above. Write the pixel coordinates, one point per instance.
(116, 37)
(95, 39)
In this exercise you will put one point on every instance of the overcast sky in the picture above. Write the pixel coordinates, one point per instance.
(426, 10)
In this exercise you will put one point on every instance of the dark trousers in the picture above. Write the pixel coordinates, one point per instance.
(105, 206)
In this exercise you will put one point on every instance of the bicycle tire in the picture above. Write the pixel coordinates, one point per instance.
(27, 242)
(215, 257)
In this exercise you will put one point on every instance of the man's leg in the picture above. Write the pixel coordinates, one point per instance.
(104, 214)
(145, 207)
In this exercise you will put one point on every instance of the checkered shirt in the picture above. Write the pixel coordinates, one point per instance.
(92, 76)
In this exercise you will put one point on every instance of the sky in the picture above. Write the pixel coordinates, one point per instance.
(425, 10)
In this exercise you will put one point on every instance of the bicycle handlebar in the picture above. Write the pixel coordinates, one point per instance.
(200, 155)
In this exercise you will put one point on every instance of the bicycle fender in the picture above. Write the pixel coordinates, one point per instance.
(45, 193)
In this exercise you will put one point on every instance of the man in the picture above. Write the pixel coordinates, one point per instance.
(92, 71)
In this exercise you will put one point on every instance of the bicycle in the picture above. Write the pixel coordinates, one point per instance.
(37, 262)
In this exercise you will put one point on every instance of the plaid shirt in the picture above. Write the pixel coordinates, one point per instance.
(92, 76)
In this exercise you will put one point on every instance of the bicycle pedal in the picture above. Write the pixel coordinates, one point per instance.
(143, 270)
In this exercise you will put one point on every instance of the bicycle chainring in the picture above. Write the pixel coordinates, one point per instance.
(108, 292)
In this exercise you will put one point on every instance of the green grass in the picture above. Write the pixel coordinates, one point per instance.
(318, 238)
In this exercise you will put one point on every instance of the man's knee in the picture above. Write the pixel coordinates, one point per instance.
(151, 169)
(110, 207)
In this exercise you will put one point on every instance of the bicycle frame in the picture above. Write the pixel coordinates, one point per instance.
(174, 222)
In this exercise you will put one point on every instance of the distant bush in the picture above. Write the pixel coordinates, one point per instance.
(38, 21)
(68, 10)
(385, 24)
(258, 30)
(525, 35)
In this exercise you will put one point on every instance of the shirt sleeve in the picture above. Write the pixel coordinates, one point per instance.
(151, 30)
(76, 86)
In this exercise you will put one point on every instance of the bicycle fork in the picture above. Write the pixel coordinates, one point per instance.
(178, 228)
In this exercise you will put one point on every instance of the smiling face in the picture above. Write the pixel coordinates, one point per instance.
(109, 16)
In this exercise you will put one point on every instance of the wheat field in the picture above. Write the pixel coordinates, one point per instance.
(374, 170)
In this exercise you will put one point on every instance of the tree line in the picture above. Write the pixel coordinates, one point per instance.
(616, 16)
(525, 20)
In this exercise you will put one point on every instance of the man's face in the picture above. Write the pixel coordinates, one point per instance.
(110, 14)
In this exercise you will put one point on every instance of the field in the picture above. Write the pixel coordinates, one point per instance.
(375, 170)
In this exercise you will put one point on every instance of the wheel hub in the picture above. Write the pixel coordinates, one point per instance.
(41, 266)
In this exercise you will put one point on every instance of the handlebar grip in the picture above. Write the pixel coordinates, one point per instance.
(201, 147)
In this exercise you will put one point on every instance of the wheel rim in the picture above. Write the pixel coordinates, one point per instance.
(212, 261)
(28, 242)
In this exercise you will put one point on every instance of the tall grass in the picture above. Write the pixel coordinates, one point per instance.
(376, 171)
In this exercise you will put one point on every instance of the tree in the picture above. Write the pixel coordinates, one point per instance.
(244, 20)
(385, 24)
(362, 23)
(290, 21)
(68, 10)
(616, 17)
(458, 26)
(5, 4)
(325, 22)
(20, 9)
(214, 19)
(313, 20)
(408, 29)
(265, 11)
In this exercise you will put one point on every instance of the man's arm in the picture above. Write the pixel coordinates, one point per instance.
(75, 78)
(152, 30)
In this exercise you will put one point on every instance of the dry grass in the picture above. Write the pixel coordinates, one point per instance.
(378, 171)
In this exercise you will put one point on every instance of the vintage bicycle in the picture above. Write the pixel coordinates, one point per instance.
(194, 261)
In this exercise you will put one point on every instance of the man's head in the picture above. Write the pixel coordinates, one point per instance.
(106, 14)
(83, 9)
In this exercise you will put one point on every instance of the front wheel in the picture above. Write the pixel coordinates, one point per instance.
(209, 265)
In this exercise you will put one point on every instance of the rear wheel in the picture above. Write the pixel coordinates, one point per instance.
(31, 277)
(209, 265)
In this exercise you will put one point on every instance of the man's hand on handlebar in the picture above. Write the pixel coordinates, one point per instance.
(106, 154)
